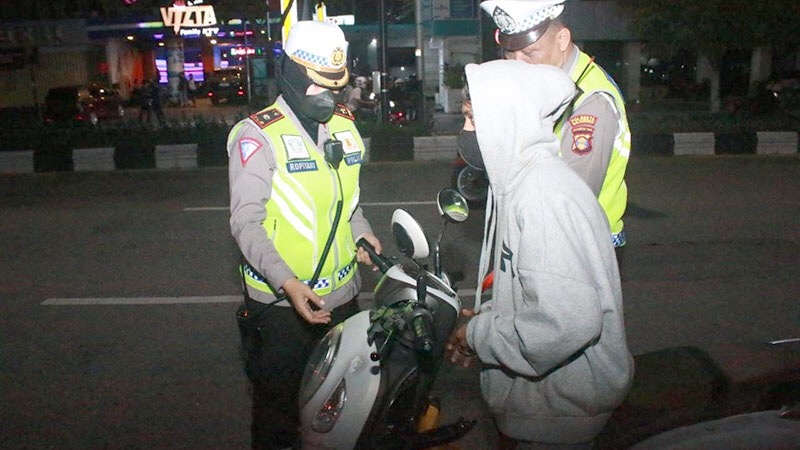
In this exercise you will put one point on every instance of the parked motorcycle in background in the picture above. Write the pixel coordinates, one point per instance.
(400, 113)
(367, 383)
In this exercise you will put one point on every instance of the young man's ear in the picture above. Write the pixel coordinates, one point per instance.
(563, 38)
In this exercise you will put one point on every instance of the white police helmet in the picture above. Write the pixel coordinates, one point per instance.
(520, 23)
(321, 49)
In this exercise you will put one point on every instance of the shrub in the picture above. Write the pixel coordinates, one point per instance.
(135, 148)
(211, 138)
(52, 151)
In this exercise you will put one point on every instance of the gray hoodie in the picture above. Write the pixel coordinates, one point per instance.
(552, 337)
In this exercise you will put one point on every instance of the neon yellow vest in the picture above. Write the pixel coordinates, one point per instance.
(305, 193)
(613, 195)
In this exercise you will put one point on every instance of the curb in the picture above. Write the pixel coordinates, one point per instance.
(708, 143)
(443, 148)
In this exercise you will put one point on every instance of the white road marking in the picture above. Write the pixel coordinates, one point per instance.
(225, 208)
(113, 301)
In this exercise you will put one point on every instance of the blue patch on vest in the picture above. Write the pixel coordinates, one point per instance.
(353, 159)
(301, 166)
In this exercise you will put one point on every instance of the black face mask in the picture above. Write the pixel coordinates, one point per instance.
(318, 107)
(293, 83)
(468, 149)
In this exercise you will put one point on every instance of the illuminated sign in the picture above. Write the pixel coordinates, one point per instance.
(189, 14)
(241, 51)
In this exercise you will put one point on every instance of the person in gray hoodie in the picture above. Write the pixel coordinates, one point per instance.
(551, 339)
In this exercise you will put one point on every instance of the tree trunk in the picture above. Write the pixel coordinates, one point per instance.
(707, 71)
(760, 69)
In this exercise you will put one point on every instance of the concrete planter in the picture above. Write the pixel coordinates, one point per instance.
(694, 144)
(776, 142)
(16, 162)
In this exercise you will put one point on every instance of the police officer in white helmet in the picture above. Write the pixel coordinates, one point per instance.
(595, 136)
(294, 184)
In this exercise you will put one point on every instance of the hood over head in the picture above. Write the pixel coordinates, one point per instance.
(515, 106)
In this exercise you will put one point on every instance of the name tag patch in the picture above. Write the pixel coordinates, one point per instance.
(352, 154)
(301, 166)
(582, 133)
(353, 159)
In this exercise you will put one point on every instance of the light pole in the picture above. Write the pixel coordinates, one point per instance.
(384, 67)
(419, 52)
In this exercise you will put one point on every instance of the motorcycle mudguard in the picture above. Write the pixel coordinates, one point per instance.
(362, 379)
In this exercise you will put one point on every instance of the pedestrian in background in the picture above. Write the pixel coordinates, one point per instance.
(357, 100)
(183, 90)
(192, 89)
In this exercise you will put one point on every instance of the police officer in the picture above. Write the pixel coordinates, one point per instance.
(294, 185)
(594, 133)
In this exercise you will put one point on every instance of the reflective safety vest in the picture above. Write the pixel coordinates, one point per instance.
(303, 203)
(613, 195)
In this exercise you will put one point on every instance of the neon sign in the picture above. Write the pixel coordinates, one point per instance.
(188, 14)
(243, 51)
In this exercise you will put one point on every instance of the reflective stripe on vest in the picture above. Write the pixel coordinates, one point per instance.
(613, 195)
(302, 205)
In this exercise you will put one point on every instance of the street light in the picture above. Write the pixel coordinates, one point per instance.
(383, 66)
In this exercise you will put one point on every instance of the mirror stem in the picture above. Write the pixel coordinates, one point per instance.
(437, 259)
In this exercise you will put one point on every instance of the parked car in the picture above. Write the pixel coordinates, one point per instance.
(227, 85)
(89, 104)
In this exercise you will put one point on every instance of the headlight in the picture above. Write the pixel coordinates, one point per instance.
(328, 414)
(319, 363)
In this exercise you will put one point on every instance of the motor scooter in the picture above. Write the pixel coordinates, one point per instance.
(367, 382)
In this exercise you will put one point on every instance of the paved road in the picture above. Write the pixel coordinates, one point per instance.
(117, 290)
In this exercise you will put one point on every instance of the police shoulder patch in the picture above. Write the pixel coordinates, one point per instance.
(583, 127)
(343, 111)
(266, 117)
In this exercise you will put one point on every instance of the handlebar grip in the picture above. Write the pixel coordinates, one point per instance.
(422, 326)
(379, 260)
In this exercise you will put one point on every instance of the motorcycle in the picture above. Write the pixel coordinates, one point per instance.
(470, 182)
(400, 111)
(367, 383)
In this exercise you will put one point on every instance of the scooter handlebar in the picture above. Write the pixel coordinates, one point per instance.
(422, 325)
(381, 261)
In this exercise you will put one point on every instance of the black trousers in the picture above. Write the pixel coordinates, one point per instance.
(275, 360)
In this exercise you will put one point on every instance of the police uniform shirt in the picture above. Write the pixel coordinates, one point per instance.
(589, 132)
(250, 185)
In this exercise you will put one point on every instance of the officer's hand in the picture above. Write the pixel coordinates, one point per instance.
(457, 347)
(300, 294)
(363, 257)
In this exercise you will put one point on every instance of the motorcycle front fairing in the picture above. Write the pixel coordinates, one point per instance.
(365, 394)
(335, 413)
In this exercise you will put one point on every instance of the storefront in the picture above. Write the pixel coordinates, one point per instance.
(184, 39)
